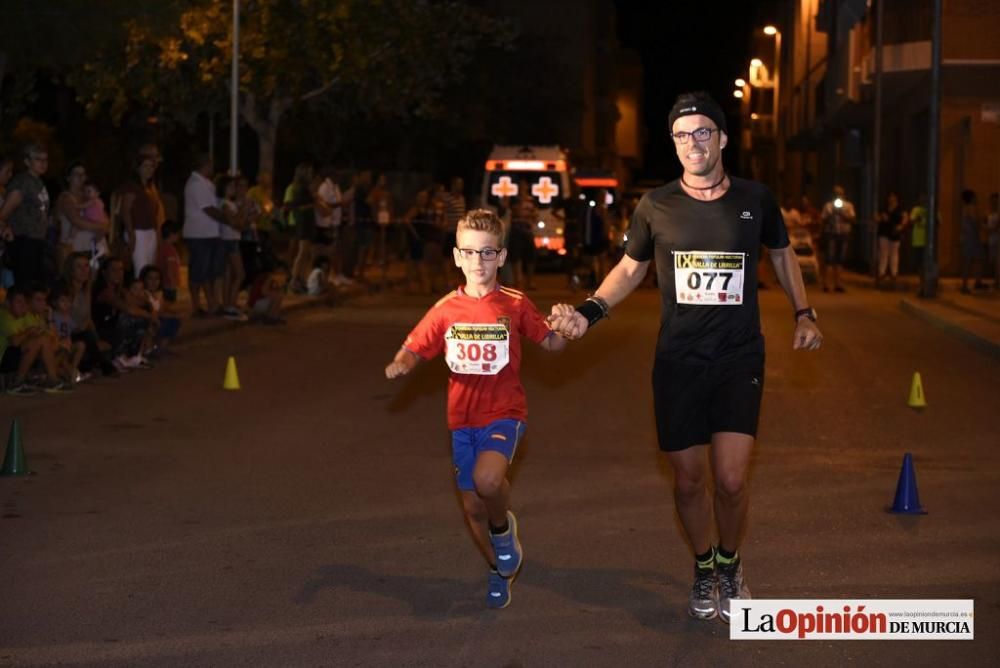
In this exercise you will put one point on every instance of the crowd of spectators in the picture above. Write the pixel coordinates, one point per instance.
(99, 283)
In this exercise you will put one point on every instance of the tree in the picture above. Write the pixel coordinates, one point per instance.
(45, 39)
(382, 58)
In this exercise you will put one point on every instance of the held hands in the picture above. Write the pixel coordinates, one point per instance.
(567, 322)
(807, 335)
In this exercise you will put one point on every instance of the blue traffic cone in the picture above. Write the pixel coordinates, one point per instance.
(13, 461)
(907, 501)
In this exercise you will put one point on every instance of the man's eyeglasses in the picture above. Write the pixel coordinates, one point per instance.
(701, 134)
(488, 254)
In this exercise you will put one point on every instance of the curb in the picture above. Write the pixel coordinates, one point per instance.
(929, 313)
(210, 328)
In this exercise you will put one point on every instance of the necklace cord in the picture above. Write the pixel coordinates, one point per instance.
(714, 185)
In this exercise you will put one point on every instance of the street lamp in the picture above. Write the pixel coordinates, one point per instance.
(234, 94)
(740, 83)
(738, 94)
(774, 32)
(756, 62)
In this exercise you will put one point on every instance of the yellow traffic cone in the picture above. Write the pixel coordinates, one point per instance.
(232, 379)
(917, 392)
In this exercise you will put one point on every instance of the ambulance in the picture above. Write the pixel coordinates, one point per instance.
(545, 172)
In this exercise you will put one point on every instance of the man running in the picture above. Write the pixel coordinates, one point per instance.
(705, 231)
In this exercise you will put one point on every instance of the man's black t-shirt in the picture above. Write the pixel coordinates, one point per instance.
(706, 259)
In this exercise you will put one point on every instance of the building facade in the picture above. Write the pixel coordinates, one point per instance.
(825, 112)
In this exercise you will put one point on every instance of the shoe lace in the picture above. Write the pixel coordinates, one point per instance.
(729, 580)
(704, 583)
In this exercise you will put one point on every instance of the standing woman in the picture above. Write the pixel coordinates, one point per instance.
(234, 222)
(380, 201)
(77, 279)
(24, 218)
(143, 214)
(78, 234)
(970, 243)
(891, 224)
(300, 204)
(425, 244)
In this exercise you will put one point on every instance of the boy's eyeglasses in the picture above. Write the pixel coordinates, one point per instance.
(701, 134)
(488, 254)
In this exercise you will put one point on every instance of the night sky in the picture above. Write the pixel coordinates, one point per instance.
(689, 46)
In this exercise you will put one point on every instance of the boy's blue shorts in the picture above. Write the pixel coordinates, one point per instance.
(500, 436)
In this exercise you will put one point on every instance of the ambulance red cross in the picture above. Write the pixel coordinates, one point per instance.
(545, 172)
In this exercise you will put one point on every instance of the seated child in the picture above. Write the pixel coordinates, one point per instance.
(69, 353)
(162, 309)
(266, 295)
(168, 260)
(24, 339)
(318, 283)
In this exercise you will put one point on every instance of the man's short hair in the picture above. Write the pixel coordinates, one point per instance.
(482, 220)
(36, 289)
(201, 160)
(32, 148)
(170, 227)
(14, 291)
(58, 291)
(698, 102)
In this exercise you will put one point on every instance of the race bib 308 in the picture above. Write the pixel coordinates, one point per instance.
(480, 349)
(709, 278)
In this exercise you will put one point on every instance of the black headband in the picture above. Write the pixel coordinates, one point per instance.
(705, 106)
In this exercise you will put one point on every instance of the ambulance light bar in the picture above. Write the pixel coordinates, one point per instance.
(597, 182)
(526, 165)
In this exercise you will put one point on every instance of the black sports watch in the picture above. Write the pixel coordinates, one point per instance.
(808, 312)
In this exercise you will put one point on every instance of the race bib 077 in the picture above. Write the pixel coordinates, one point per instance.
(709, 278)
(480, 349)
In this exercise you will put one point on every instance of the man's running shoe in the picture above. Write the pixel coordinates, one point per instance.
(731, 586)
(57, 387)
(22, 389)
(507, 548)
(233, 313)
(704, 603)
(498, 594)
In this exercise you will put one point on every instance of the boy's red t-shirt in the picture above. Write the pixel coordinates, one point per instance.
(169, 262)
(455, 326)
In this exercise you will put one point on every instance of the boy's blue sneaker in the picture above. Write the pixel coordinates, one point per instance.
(507, 548)
(498, 594)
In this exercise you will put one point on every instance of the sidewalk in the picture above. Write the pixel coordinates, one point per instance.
(974, 318)
(378, 280)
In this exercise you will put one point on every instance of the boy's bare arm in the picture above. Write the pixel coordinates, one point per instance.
(402, 364)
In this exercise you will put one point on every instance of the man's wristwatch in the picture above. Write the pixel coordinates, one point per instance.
(807, 312)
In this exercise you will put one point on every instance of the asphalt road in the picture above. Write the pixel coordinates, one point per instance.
(310, 518)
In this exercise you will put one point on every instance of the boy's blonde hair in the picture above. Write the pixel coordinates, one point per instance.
(482, 220)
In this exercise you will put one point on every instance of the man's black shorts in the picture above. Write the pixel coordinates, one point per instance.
(694, 401)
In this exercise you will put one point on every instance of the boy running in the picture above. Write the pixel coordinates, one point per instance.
(478, 327)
